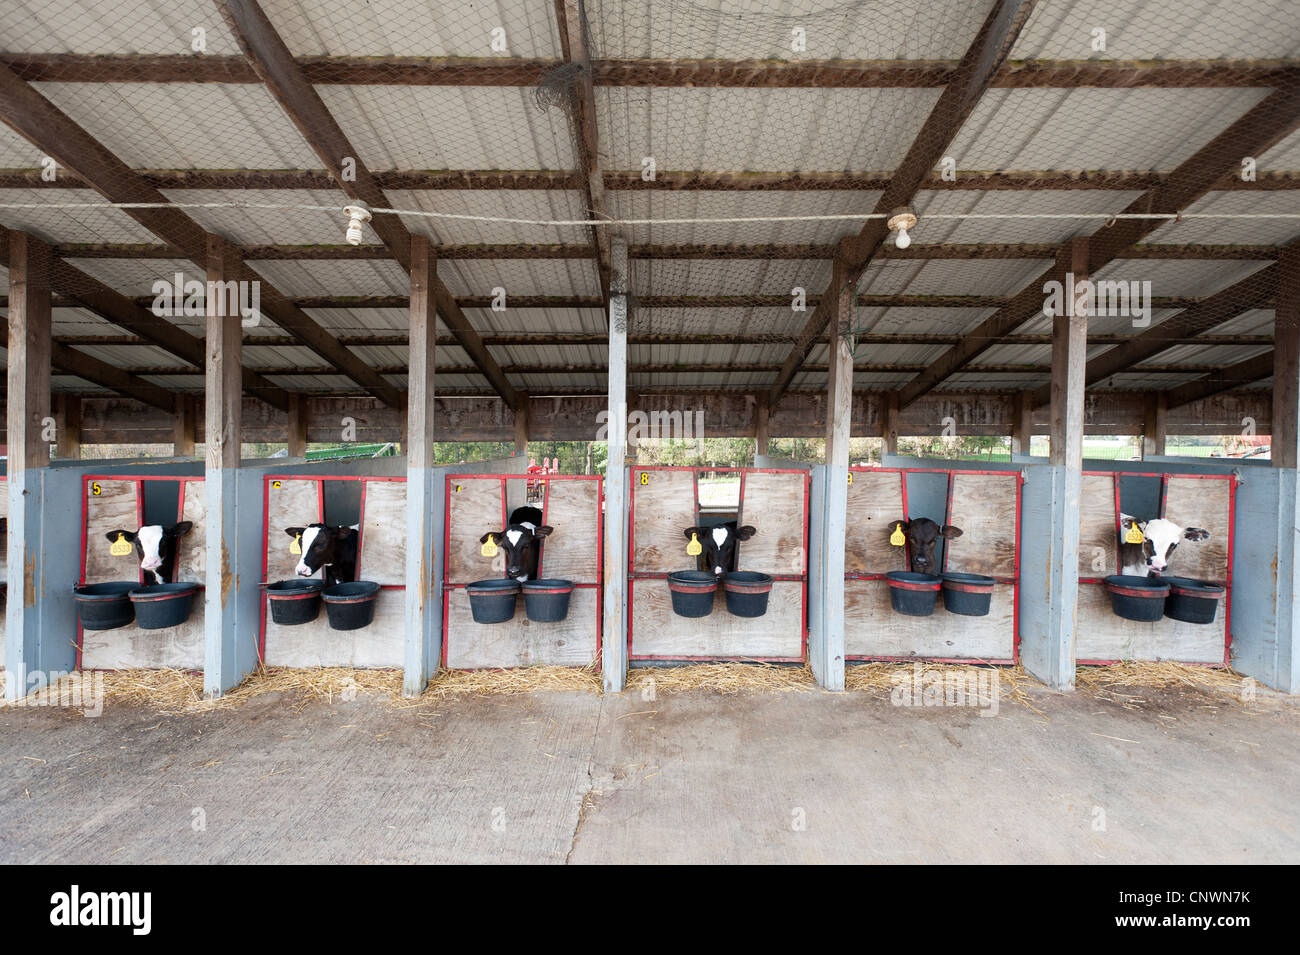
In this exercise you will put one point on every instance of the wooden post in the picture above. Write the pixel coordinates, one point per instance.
(1286, 362)
(186, 427)
(1155, 413)
(1022, 432)
(67, 421)
(521, 425)
(614, 615)
(890, 413)
(425, 513)
(222, 404)
(762, 424)
(28, 416)
(297, 426)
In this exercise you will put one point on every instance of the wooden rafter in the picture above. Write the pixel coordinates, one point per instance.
(1222, 379)
(126, 383)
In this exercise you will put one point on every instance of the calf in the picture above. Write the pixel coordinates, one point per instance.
(719, 542)
(922, 534)
(522, 542)
(156, 547)
(334, 548)
(1151, 557)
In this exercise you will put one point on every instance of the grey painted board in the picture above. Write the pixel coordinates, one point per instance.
(1047, 589)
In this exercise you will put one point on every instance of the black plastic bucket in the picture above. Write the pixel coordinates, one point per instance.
(350, 606)
(967, 594)
(294, 602)
(547, 600)
(160, 606)
(492, 601)
(1137, 598)
(912, 593)
(1192, 601)
(105, 606)
(747, 592)
(692, 592)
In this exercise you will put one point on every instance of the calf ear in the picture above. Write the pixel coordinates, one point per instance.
(746, 532)
(1196, 534)
(113, 535)
(294, 531)
(699, 531)
(183, 528)
(496, 537)
(949, 531)
(342, 531)
(543, 530)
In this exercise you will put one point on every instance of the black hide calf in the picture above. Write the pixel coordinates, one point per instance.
(522, 542)
(155, 545)
(334, 548)
(922, 534)
(719, 554)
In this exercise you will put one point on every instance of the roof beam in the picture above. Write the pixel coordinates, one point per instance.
(496, 71)
(1223, 379)
(293, 89)
(1257, 130)
(971, 78)
(72, 362)
(47, 127)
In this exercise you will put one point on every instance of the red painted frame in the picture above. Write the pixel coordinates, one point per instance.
(1164, 477)
(599, 586)
(1014, 580)
(633, 575)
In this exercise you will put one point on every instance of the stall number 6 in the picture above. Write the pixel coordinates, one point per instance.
(95, 489)
(645, 478)
(276, 485)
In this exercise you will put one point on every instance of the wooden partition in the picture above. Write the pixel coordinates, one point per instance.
(4, 548)
(986, 506)
(1190, 500)
(116, 502)
(666, 500)
(297, 500)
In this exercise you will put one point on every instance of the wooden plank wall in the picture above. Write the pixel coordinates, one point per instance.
(873, 629)
(663, 506)
(658, 632)
(192, 551)
(383, 533)
(573, 641)
(572, 550)
(1199, 502)
(474, 508)
(875, 505)
(290, 502)
(1098, 527)
(316, 644)
(115, 507)
(776, 505)
(1104, 636)
(984, 507)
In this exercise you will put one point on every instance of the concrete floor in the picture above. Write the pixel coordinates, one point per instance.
(694, 777)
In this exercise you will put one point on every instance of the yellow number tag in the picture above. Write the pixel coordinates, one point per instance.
(897, 538)
(120, 547)
(275, 484)
(645, 478)
(296, 546)
(1134, 535)
(850, 477)
(489, 548)
(95, 489)
(694, 548)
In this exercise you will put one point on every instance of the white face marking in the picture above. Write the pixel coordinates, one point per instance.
(513, 537)
(530, 525)
(1163, 535)
(719, 535)
(521, 578)
(150, 538)
(308, 537)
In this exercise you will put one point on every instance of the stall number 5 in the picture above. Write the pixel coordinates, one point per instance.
(95, 489)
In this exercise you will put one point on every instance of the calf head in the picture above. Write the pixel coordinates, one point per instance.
(155, 545)
(1161, 538)
(521, 544)
(320, 546)
(922, 534)
(719, 544)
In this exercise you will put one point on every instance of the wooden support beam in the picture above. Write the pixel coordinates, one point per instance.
(187, 425)
(67, 421)
(1285, 451)
(297, 435)
(969, 80)
(1260, 128)
(521, 425)
(128, 385)
(224, 341)
(1069, 359)
(1022, 430)
(1155, 421)
(762, 424)
(1225, 379)
(614, 607)
(889, 422)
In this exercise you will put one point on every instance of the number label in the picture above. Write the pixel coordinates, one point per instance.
(95, 489)
(275, 484)
(850, 477)
(645, 478)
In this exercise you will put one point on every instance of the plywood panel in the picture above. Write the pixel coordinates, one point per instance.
(180, 647)
(1104, 636)
(289, 503)
(383, 533)
(572, 641)
(191, 552)
(315, 644)
(663, 507)
(1098, 524)
(875, 503)
(776, 506)
(474, 509)
(657, 631)
(984, 507)
(4, 499)
(572, 550)
(872, 628)
(113, 508)
(1198, 502)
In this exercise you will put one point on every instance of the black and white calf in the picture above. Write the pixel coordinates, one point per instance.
(522, 542)
(155, 545)
(922, 534)
(719, 543)
(334, 548)
(1151, 557)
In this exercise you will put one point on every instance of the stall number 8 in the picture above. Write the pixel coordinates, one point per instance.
(645, 478)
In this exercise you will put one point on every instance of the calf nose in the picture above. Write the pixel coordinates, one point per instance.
(151, 563)
(302, 570)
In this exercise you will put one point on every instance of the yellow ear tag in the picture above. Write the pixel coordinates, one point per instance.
(1134, 535)
(489, 548)
(694, 548)
(897, 538)
(120, 547)
(296, 546)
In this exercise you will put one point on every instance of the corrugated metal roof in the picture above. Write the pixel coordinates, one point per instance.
(1054, 202)
(98, 223)
(249, 226)
(110, 26)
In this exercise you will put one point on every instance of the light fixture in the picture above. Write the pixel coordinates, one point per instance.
(357, 213)
(900, 220)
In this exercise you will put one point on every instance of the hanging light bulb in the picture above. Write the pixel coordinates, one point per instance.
(900, 220)
(358, 213)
